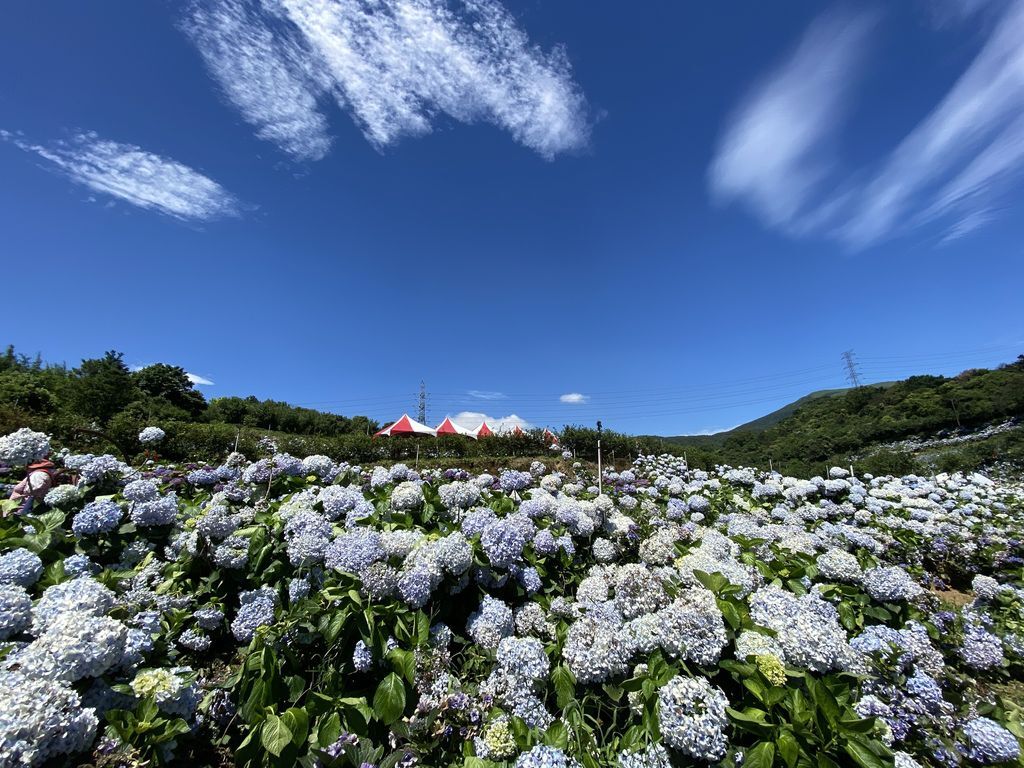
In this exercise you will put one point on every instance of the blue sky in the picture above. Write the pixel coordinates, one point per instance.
(672, 217)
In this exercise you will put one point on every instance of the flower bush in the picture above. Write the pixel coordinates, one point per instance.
(304, 612)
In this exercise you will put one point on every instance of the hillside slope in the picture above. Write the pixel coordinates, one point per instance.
(763, 422)
(843, 426)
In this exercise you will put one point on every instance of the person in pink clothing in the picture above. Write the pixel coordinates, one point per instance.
(37, 483)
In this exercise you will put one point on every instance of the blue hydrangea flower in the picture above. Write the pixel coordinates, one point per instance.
(161, 511)
(354, 550)
(542, 756)
(256, 610)
(15, 610)
(362, 657)
(21, 567)
(691, 714)
(97, 517)
(987, 742)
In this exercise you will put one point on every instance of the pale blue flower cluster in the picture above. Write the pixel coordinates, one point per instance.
(81, 595)
(97, 517)
(23, 447)
(20, 566)
(354, 550)
(15, 610)
(362, 657)
(512, 480)
(459, 496)
(691, 715)
(651, 756)
(492, 622)
(151, 435)
(161, 511)
(339, 501)
(256, 610)
(140, 490)
(989, 743)
(41, 720)
(503, 542)
(308, 534)
(542, 756)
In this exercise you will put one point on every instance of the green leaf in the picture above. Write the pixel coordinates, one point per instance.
(275, 735)
(864, 725)
(788, 748)
(557, 735)
(565, 685)
(752, 720)
(761, 756)
(298, 723)
(389, 700)
(328, 730)
(713, 581)
(405, 663)
(613, 691)
(863, 756)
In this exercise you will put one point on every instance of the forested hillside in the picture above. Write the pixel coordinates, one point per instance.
(846, 426)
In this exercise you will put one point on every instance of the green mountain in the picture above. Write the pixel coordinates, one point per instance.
(848, 425)
(768, 420)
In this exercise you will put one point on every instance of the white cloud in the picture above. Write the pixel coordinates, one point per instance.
(974, 125)
(394, 64)
(472, 419)
(130, 173)
(264, 72)
(947, 171)
(776, 150)
(574, 398)
(485, 395)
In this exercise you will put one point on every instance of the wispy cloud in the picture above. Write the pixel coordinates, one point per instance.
(472, 419)
(484, 395)
(394, 64)
(949, 171)
(778, 147)
(574, 398)
(131, 174)
(265, 71)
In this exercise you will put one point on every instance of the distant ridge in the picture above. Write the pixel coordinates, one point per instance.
(768, 420)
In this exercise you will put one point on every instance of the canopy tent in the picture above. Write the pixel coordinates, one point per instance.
(405, 426)
(517, 431)
(550, 437)
(483, 430)
(449, 427)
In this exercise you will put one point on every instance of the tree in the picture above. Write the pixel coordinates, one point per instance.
(102, 387)
(171, 384)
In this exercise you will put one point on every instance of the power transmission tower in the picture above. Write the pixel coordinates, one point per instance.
(422, 412)
(851, 368)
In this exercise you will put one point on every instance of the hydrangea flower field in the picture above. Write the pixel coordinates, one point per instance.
(277, 611)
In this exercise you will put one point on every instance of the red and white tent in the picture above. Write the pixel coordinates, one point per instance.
(550, 437)
(449, 427)
(405, 426)
(483, 430)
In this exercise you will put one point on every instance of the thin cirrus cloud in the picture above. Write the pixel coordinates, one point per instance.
(486, 395)
(130, 173)
(777, 154)
(394, 65)
(574, 398)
